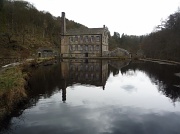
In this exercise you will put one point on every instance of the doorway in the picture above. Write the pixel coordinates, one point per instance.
(86, 54)
(39, 54)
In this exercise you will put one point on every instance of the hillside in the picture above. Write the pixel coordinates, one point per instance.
(23, 29)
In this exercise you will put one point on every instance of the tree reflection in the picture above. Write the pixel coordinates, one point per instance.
(162, 75)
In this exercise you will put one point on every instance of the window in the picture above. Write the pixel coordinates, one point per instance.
(92, 48)
(106, 39)
(92, 76)
(76, 75)
(81, 47)
(86, 67)
(86, 39)
(76, 38)
(92, 38)
(97, 39)
(97, 68)
(89, 47)
(76, 47)
(97, 47)
(86, 47)
(91, 68)
(80, 68)
(71, 67)
(81, 38)
(86, 76)
(70, 47)
(73, 47)
(97, 76)
(70, 39)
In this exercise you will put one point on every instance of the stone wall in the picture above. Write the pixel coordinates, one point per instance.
(81, 46)
(83, 42)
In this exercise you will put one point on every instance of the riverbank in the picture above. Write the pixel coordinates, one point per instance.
(13, 84)
(13, 81)
(12, 89)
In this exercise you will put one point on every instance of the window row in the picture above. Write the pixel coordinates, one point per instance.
(81, 76)
(85, 68)
(84, 47)
(85, 39)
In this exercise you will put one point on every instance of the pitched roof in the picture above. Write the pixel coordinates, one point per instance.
(80, 31)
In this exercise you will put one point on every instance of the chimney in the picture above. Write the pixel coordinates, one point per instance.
(63, 25)
(104, 26)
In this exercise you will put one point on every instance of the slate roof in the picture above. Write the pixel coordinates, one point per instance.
(81, 31)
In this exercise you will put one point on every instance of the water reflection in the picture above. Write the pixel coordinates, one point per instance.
(101, 97)
(161, 75)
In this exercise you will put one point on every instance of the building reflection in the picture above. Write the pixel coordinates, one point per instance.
(84, 72)
(48, 79)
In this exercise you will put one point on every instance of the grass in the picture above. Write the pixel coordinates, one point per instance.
(40, 60)
(12, 85)
(11, 89)
(11, 79)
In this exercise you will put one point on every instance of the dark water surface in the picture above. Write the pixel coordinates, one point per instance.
(100, 97)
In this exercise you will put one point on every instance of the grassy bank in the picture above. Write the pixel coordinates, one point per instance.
(11, 89)
(13, 81)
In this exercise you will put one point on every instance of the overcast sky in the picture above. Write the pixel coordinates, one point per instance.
(132, 17)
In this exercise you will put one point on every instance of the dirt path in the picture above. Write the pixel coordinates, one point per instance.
(3, 68)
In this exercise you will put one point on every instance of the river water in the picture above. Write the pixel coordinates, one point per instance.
(100, 97)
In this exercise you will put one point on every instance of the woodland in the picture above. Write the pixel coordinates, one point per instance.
(23, 29)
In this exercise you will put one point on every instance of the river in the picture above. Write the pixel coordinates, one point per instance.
(100, 97)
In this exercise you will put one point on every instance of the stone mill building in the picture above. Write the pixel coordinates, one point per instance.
(83, 42)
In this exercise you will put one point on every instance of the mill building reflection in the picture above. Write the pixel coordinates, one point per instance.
(48, 79)
(84, 72)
